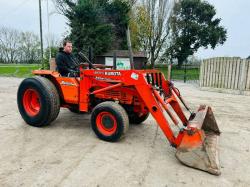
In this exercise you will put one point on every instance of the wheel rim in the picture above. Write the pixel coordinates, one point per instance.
(31, 102)
(106, 123)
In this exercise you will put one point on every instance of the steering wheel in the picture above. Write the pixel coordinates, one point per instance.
(84, 58)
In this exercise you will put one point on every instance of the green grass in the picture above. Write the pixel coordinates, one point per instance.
(24, 70)
(17, 70)
(178, 74)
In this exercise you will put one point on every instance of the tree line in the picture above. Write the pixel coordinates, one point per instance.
(167, 30)
(18, 47)
(23, 47)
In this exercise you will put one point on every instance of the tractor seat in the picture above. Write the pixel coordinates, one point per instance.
(52, 64)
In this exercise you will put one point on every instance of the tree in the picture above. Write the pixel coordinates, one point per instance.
(193, 26)
(9, 41)
(100, 24)
(18, 47)
(140, 29)
(29, 45)
(1, 54)
(152, 17)
(118, 15)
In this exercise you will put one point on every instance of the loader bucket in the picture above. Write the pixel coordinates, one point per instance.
(199, 145)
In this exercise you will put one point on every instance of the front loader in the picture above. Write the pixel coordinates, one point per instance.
(116, 98)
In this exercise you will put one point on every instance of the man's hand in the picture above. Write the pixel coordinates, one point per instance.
(74, 73)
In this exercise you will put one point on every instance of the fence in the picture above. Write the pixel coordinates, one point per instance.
(226, 73)
(187, 73)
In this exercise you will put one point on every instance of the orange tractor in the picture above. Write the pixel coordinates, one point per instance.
(116, 98)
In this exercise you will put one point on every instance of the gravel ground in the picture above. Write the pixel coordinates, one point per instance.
(67, 153)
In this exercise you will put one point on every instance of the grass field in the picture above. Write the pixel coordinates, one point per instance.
(17, 70)
(178, 74)
(24, 70)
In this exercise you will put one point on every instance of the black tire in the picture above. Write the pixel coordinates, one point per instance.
(48, 99)
(136, 119)
(109, 114)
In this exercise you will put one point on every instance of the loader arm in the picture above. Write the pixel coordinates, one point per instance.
(197, 140)
(147, 93)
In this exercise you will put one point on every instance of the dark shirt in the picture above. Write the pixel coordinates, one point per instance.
(65, 63)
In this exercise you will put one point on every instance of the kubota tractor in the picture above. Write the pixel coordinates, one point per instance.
(116, 98)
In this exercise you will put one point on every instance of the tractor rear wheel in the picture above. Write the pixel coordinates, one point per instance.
(136, 119)
(109, 121)
(38, 101)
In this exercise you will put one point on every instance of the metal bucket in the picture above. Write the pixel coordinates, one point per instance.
(199, 145)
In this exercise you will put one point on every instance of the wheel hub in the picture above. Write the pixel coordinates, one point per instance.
(106, 123)
(31, 102)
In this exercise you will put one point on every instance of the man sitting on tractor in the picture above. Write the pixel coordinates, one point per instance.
(66, 64)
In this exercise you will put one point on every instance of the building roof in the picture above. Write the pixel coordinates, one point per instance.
(124, 53)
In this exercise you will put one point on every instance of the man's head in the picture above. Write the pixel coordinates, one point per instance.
(67, 46)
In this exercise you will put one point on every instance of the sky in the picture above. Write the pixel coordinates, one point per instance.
(235, 17)
(24, 15)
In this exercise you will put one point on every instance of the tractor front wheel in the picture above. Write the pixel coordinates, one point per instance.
(109, 121)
